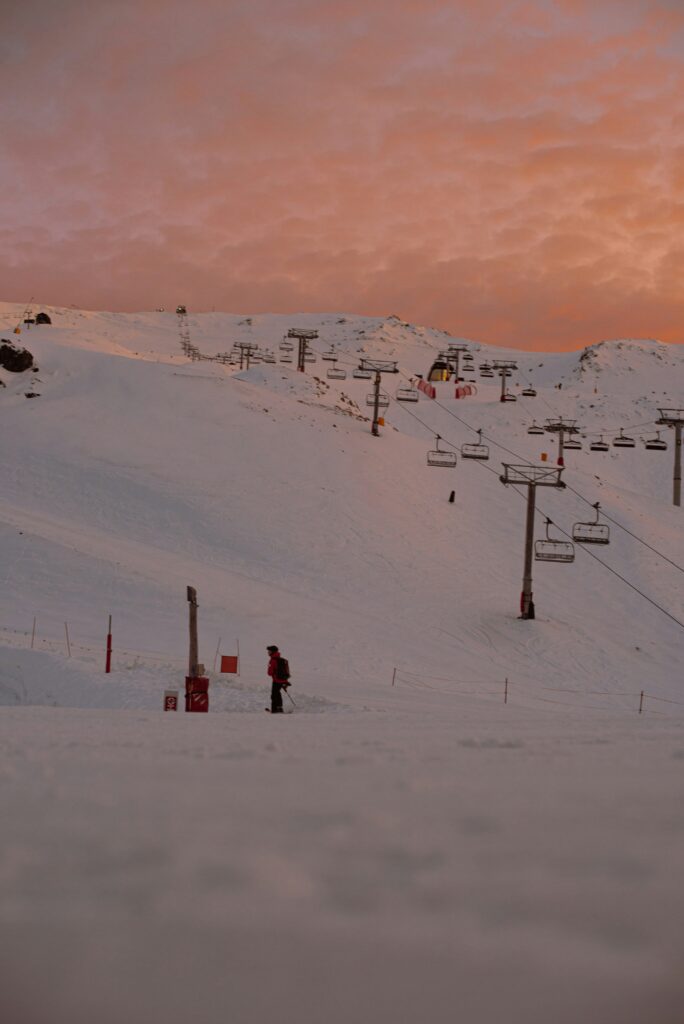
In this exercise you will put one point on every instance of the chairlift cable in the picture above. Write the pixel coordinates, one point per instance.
(621, 577)
(605, 565)
(610, 430)
(626, 530)
(528, 462)
(591, 553)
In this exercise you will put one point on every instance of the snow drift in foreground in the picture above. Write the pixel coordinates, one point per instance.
(406, 846)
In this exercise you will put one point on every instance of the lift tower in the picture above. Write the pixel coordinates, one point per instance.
(453, 355)
(530, 477)
(303, 337)
(675, 418)
(378, 367)
(505, 368)
(561, 427)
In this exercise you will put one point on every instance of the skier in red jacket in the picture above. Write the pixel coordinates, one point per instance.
(277, 684)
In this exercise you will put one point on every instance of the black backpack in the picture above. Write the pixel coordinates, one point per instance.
(282, 669)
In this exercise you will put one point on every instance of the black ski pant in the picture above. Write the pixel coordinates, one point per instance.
(276, 697)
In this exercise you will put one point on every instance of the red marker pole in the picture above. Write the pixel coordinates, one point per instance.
(108, 663)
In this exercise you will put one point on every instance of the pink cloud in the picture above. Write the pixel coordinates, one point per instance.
(512, 171)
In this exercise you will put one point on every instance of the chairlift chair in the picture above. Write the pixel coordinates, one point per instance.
(508, 396)
(439, 457)
(591, 533)
(475, 451)
(360, 374)
(286, 358)
(622, 441)
(310, 357)
(655, 444)
(573, 444)
(528, 393)
(535, 428)
(336, 373)
(286, 346)
(383, 400)
(599, 446)
(407, 394)
(330, 356)
(550, 550)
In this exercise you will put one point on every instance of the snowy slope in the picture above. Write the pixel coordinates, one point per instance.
(132, 476)
(391, 852)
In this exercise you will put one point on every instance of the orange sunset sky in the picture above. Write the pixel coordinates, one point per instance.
(509, 170)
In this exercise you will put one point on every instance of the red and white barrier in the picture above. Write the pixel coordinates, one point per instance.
(427, 389)
(464, 390)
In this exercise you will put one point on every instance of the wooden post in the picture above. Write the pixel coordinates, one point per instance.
(194, 654)
(66, 630)
(108, 659)
(33, 632)
(394, 676)
(641, 702)
(506, 691)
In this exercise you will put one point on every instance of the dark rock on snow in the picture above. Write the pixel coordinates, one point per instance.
(16, 360)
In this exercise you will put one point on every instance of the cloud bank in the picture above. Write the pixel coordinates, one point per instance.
(512, 171)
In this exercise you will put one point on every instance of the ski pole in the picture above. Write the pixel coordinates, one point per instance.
(290, 697)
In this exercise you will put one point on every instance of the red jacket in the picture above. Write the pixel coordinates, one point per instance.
(273, 667)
